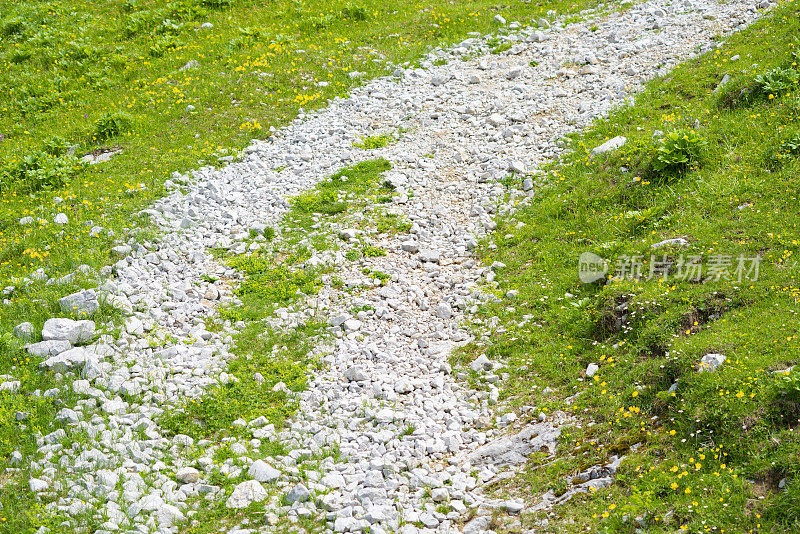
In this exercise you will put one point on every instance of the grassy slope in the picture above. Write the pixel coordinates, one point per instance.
(710, 457)
(66, 65)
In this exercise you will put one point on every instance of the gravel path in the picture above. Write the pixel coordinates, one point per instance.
(412, 437)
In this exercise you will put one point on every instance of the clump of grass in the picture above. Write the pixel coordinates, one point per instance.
(250, 396)
(324, 202)
(373, 142)
(788, 149)
(392, 224)
(217, 4)
(40, 171)
(372, 252)
(12, 26)
(111, 125)
(329, 197)
(502, 47)
(678, 150)
(55, 146)
(161, 47)
(379, 275)
(273, 284)
(364, 307)
(785, 398)
(355, 12)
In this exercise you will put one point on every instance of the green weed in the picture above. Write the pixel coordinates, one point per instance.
(372, 252)
(678, 150)
(777, 82)
(40, 171)
(502, 47)
(371, 143)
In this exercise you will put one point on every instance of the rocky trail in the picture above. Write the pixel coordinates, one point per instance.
(416, 444)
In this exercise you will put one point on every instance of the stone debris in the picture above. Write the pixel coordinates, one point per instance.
(245, 494)
(24, 331)
(674, 242)
(514, 449)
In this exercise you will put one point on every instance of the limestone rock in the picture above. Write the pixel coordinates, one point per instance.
(246, 493)
(69, 330)
(612, 144)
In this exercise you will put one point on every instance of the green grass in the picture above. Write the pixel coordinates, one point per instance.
(266, 286)
(503, 47)
(708, 457)
(372, 252)
(378, 275)
(392, 224)
(331, 195)
(277, 357)
(375, 141)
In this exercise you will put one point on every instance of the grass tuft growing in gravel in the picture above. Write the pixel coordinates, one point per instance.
(373, 142)
(710, 451)
(274, 356)
(276, 276)
(331, 195)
